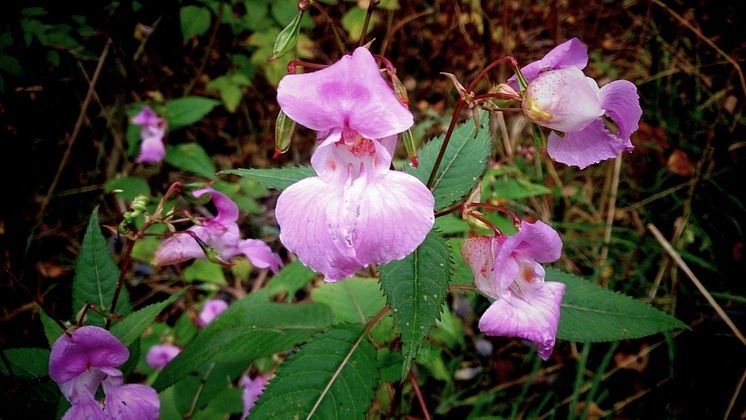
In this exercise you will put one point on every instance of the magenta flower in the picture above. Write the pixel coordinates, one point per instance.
(559, 96)
(87, 359)
(161, 354)
(152, 131)
(221, 234)
(357, 211)
(210, 311)
(508, 269)
(252, 390)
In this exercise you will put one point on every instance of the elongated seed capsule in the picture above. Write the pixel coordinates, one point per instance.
(284, 130)
(411, 147)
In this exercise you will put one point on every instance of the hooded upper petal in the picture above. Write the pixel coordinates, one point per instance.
(146, 117)
(590, 145)
(564, 100)
(87, 347)
(569, 54)
(534, 318)
(538, 241)
(622, 104)
(336, 230)
(349, 93)
(226, 208)
(161, 354)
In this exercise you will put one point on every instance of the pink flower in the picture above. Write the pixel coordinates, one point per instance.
(87, 359)
(220, 233)
(559, 96)
(161, 354)
(152, 131)
(508, 269)
(357, 211)
(210, 311)
(252, 390)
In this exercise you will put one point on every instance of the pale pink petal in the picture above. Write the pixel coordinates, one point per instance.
(152, 149)
(260, 254)
(87, 347)
(210, 311)
(83, 387)
(181, 247)
(538, 241)
(569, 54)
(130, 402)
(303, 212)
(587, 146)
(535, 320)
(350, 93)
(622, 104)
(252, 390)
(161, 354)
(337, 162)
(563, 100)
(477, 252)
(146, 117)
(227, 208)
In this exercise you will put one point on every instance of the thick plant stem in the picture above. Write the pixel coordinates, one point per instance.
(454, 118)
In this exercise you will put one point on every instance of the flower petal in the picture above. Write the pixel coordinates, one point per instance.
(161, 354)
(620, 101)
(85, 410)
(260, 254)
(211, 309)
(87, 347)
(536, 320)
(350, 92)
(252, 390)
(152, 149)
(180, 247)
(337, 162)
(590, 145)
(539, 242)
(477, 252)
(227, 209)
(569, 54)
(131, 401)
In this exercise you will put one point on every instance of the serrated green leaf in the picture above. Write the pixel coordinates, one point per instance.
(463, 163)
(275, 178)
(130, 186)
(96, 275)
(26, 363)
(341, 383)
(591, 313)
(514, 189)
(246, 331)
(290, 279)
(190, 157)
(211, 381)
(129, 328)
(186, 111)
(195, 21)
(416, 288)
(352, 300)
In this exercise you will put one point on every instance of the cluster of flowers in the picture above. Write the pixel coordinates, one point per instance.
(358, 211)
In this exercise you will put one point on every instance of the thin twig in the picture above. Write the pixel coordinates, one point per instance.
(454, 118)
(418, 393)
(734, 398)
(71, 142)
(36, 300)
(685, 268)
(611, 211)
(368, 13)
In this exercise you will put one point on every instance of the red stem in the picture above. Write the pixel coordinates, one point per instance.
(489, 224)
(454, 118)
(483, 73)
(417, 392)
(501, 209)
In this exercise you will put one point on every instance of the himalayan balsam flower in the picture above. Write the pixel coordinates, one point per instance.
(508, 269)
(152, 131)
(252, 390)
(161, 354)
(356, 212)
(559, 96)
(211, 309)
(220, 233)
(87, 359)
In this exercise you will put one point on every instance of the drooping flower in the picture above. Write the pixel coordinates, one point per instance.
(211, 309)
(221, 233)
(559, 96)
(89, 358)
(508, 269)
(161, 354)
(357, 211)
(252, 390)
(152, 131)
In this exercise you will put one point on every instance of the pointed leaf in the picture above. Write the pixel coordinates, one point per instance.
(591, 313)
(190, 157)
(463, 163)
(96, 275)
(416, 288)
(129, 328)
(275, 178)
(26, 363)
(333, 376)
(247, 330)
(352, 300)
(188, 110)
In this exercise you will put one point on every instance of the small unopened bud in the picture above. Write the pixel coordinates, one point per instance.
(287, 39)
(399, 88)
(305, 4)
(140, 203)
(506, 90)
(411, 147)
(459, 87)
(284, 130)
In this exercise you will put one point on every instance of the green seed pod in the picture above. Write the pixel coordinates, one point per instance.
(284, 130)
(411, 147)
(287, 39)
